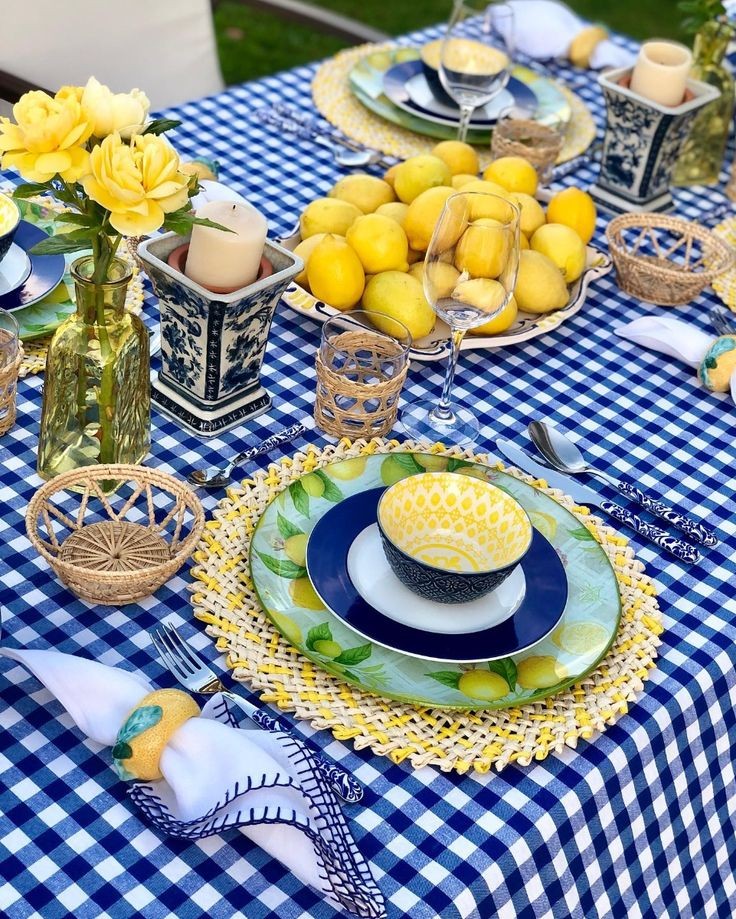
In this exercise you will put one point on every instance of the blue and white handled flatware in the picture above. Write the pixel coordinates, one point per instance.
(584, 495)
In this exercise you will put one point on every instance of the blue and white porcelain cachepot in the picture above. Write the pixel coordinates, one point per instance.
(212, 345)
(642, 144)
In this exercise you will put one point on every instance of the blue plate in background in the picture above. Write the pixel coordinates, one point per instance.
(46, 270)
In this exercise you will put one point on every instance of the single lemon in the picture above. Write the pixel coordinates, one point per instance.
(288, 628)
(514, 173)
(327, 648)
(392, 471)
(416, 270)
(304, 250)
(459, 157)
(441, 278)
(531, 213)
(295, 548)
(563, 245)
(395, 295)
(483, 249)
(430, 462)
(304, 595)
(380, 243)
(419, 173)
(348, 469)
(396, 210)
(540, 287)
(390, 175)
(575, 209)
(489, 205)
(581, 637)
(462, 179)
(539, 672)
(313, 485)
(483, 684)
(545, 523)
(327, 215)
(500, 322)
(364, 191)
(423, 215)
(335, 273)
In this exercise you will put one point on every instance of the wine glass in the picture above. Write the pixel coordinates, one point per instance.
(469, 276)
(475, 58)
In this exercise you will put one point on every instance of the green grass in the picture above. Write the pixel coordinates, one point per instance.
(254, 44)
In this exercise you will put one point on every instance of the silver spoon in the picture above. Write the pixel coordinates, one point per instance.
(350, 157)
(562, 454)
(215, 477)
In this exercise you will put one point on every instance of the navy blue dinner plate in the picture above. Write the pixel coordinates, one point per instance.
(46, 270)
(327, 564)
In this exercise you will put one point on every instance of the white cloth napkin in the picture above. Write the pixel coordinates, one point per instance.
(544, 29)
(673, 337)
(217, 777)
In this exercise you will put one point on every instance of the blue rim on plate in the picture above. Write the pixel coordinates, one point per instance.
(327, 565)
(46, 274)
(396, 78)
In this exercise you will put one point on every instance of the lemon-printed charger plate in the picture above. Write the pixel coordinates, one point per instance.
(586, 631)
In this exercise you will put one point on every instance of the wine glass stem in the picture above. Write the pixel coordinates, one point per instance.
(466, 113)
(444, 411)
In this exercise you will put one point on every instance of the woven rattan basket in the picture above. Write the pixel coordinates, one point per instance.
(114, 548)
(665, 260)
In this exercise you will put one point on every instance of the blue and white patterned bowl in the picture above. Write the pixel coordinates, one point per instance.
(9, 220)
(451, 538)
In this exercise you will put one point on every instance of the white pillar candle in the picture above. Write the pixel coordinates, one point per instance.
(661, 71)
(224, 261)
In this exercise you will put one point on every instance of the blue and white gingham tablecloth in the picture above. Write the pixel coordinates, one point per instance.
(639, 822)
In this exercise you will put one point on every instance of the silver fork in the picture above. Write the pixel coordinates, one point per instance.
(197, 676)
(722, 322)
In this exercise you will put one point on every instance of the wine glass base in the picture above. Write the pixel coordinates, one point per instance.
(421, 422)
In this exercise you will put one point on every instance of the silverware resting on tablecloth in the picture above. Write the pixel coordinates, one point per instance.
(564, 455)
(345, 152)
(197, 676)
(584, 495)
(724, 323)
(219, 477)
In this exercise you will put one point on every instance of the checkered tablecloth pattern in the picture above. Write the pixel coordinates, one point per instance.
(639, 822)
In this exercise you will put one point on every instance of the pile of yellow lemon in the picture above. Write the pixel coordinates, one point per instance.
(365, 242)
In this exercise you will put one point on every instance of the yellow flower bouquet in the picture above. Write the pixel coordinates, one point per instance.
(98, 153)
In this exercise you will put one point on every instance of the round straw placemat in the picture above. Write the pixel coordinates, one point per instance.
(224, 598)
(725, 284)
(334, 99)
(36, 349)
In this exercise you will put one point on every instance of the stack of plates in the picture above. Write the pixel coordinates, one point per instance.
(318, 566)
(392, 84)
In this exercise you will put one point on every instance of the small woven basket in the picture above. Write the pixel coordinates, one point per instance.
(114, 548)
(665, 260)
(8, 388)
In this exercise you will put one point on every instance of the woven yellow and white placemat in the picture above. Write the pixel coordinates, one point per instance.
(36, 349)
(334, 99)
(725, 284)
(224, 598)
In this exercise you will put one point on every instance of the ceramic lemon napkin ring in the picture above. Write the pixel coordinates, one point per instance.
(195, 774)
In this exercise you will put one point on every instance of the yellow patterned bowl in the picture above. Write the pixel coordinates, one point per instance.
(451, 538)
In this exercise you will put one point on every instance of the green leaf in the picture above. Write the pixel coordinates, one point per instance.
(505, 668)
(453, 463)
(142, 718)
(282, 567)
(331, 492)
(64, 242)
(183, 220)
(449, 678)
(286, 527)
(122, 750)
(161, 125)
(300, 498)
(82, 220)
(407, 462)
(353, 656)
(31, 189)
(582, 534)
(320, 632)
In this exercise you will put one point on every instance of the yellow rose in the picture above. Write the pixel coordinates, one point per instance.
(110, 113)
(138, 182)
(48, 138)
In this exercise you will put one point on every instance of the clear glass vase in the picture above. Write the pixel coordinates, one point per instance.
(96, 398)
(702, 155)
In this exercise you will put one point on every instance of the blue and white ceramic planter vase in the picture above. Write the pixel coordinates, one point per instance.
(642, 144)
(212, 345)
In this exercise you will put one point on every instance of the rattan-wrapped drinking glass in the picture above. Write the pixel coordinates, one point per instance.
(360, 373)
(539, 144)
(11, 357)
